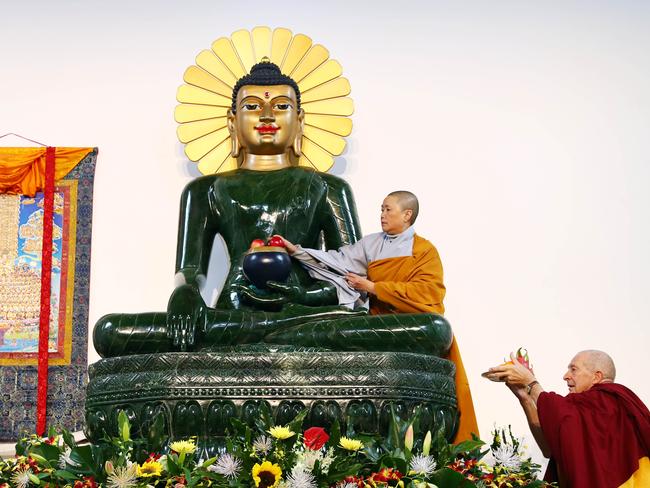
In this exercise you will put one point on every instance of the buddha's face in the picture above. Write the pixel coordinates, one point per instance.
(267, 120)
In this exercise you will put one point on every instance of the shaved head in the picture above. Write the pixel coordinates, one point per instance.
(407, 201)
(598, 361)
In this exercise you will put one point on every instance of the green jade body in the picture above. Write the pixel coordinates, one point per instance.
(306, 206)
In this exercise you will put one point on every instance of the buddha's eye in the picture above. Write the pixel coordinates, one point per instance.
(251, 106)
(282, 106)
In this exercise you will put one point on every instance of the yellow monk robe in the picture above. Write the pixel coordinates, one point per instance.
(413, 284)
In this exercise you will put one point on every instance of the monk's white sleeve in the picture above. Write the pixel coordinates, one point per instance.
(331, 266)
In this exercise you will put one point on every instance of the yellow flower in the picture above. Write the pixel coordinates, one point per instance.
(281, 433)
(183, 447)
(267, 475)
(150, 468)
(350, 444)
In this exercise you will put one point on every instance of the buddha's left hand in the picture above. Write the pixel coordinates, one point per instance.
(283, 293)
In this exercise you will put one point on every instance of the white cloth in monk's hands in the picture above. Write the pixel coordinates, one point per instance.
(333, 265)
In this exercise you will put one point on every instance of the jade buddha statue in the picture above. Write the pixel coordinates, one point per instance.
(268, 194)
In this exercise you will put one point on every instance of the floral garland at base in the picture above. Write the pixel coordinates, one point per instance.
(270, 456)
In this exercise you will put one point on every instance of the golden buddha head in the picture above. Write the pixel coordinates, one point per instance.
(266, 118)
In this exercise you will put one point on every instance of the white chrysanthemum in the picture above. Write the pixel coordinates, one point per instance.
(123, 477)
(301, 479)
(20, 478)
(506, 456)
(262, 445)
(307, 459)
(327, 460)
(423, 465)
(227, 465)
(65, 460)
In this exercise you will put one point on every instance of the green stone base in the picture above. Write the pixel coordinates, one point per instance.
(198, 393)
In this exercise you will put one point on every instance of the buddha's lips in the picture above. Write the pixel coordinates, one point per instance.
(267, 129)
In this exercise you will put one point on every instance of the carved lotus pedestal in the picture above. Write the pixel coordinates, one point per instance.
(199, 392)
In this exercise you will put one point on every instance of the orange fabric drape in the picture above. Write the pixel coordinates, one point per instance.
(22, 169)
(468, 424)
(414, 284)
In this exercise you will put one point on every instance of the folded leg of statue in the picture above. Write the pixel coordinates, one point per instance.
(143, 333)
(417, 333)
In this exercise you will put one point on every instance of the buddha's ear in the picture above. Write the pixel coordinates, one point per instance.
(297, 142)
(232, 129)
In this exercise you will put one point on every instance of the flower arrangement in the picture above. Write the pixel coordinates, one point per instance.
(271, 456)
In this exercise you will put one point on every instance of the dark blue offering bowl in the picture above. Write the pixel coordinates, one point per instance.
(266, 263)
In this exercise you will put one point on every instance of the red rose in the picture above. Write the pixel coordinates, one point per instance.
(315, 438)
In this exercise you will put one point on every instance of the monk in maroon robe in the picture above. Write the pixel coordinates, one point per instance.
(598, 436)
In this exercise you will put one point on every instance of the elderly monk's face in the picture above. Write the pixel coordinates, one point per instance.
(267, 119)
(394, 220)
(578, 377)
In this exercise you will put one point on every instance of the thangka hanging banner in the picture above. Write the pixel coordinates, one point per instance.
(45, 231)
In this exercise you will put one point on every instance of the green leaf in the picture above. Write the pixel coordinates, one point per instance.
(21, 447)
(393, 441)
(68, 438)
(210, 462)
(467, 446)
(447, 478)
(296, 424)
(66, 475)
(49, 452)
(172, 466)
(34, 479)
(156, 436)
(373, 452)
(398, 463)
(39, 459)
(124, 426)
(335, 433)
(343, 471)
(83, 455)
(188, 475)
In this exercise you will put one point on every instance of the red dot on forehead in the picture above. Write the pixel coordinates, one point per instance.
(266, 94)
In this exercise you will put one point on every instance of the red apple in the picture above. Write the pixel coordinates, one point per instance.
(275, 241)
(256, 243)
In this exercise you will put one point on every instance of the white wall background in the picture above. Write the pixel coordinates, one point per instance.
(522, 126)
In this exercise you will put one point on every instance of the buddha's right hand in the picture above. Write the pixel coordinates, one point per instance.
(185, 311)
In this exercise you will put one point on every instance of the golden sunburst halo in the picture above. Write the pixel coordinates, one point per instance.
(206, 96)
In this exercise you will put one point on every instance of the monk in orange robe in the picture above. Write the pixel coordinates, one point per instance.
(404, 275)
(414, 285)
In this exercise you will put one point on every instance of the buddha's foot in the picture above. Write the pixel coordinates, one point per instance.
(418, 333)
